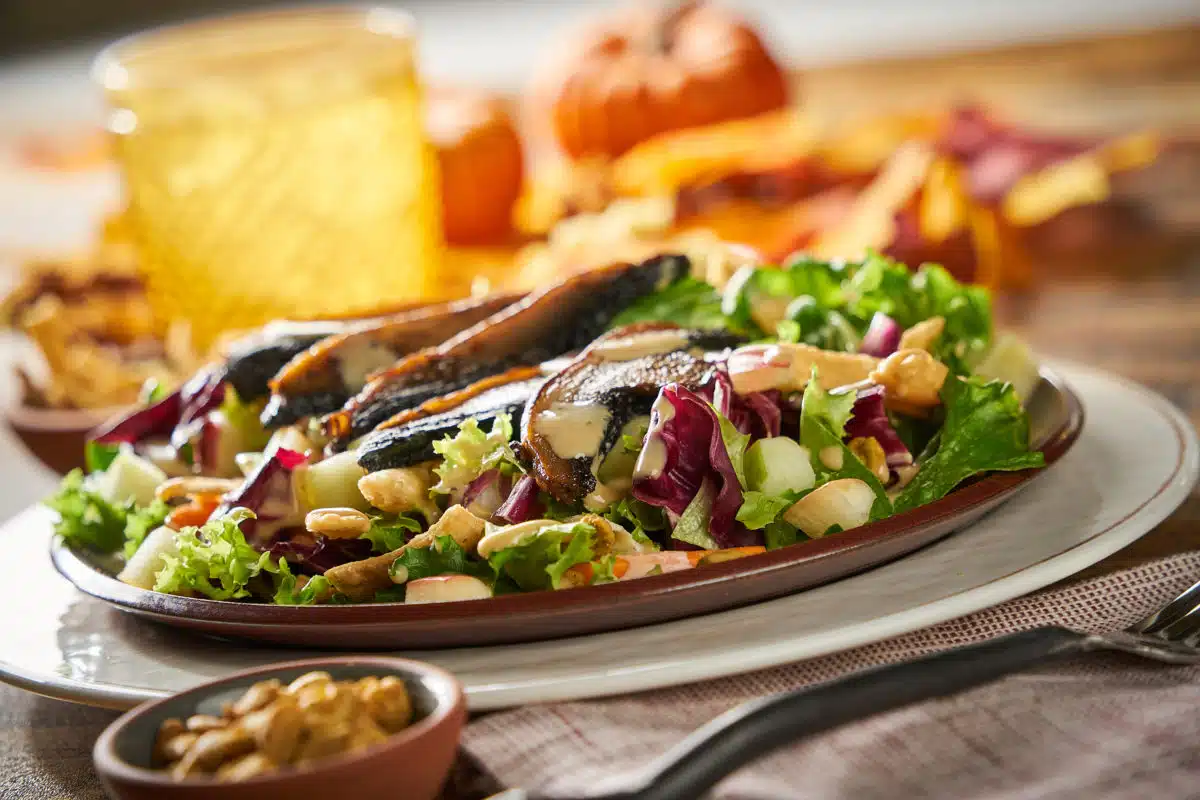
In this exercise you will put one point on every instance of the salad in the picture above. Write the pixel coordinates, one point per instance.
(625, 422)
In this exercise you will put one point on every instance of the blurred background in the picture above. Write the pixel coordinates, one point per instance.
(1048, 149)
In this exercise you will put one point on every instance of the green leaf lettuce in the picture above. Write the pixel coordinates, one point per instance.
(986, 430)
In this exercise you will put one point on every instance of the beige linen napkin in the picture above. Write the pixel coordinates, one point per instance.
(1094, 726)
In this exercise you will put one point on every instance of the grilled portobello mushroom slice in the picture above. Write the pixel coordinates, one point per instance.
(577, 416)
(321, 376)
(408, 438)
(550, 322)
(251, 362)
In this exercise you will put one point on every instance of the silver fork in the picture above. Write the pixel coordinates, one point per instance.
(754, 729)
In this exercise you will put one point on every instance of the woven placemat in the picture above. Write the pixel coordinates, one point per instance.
(1095, 726)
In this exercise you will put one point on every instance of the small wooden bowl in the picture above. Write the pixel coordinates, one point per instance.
(410, 765)
(57, 436)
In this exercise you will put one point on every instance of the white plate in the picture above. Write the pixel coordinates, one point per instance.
(1135, 463)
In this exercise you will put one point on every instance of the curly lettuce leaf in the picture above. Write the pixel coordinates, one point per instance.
(967, 311)
(831, 410)
(85, 518)
(578, 550)
(637, 517)
(986, 430)
(809, 323)
(388, 533)
(140, 521)
(830, 304)
(286, 593)
(444, 557)
(823, 420)
(540, 561)
(887, 286)
(214, 560)
(469, 453)
(689, 303)
(759, 509)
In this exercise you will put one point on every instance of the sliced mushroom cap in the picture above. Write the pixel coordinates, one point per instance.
(560, 319)
(250, 362)
(322, 377)
(575, 418)
(410, 439)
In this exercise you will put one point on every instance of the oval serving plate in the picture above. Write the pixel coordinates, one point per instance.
(1056, 417)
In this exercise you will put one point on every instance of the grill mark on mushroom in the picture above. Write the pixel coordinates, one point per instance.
(557, 320)
(319, 377)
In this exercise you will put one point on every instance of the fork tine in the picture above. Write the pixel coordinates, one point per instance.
(1174, 611)
(1185, 630)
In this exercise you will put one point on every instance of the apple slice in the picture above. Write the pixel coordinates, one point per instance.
(446, 589)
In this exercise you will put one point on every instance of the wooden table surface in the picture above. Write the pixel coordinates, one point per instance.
(1128, 302)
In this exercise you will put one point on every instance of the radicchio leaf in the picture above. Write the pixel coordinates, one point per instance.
(315, 553)
(484, 495)
(685, 434)
(870, 419)
(267, 492)
(155, 420)
(522, 503)
(200, 395)
(758, 414)
(882, 337)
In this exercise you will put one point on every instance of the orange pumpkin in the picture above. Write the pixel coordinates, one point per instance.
(648, 70)
(481, 163)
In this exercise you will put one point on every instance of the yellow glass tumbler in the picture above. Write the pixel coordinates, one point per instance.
(275, 165)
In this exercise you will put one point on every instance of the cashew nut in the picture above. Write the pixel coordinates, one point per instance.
(400, 490)
(213, 749)
(337, 523)
(202, 723)
(913, 379)
(387, 701)
(256, 697)
(459, 523)
(269, 726)
(923, 335)
(248, 766)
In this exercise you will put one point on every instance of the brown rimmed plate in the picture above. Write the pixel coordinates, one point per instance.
(1056, 417)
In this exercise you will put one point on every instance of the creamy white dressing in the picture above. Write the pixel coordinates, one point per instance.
(625, 545)
(574, 430)
(497, 538)
(832, 457)
(653, 458)
(627, 348)
(358, 358)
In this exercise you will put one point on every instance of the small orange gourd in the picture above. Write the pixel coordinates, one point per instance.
(648, 70)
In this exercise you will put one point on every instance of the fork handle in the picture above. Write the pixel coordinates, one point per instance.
(753, 730)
